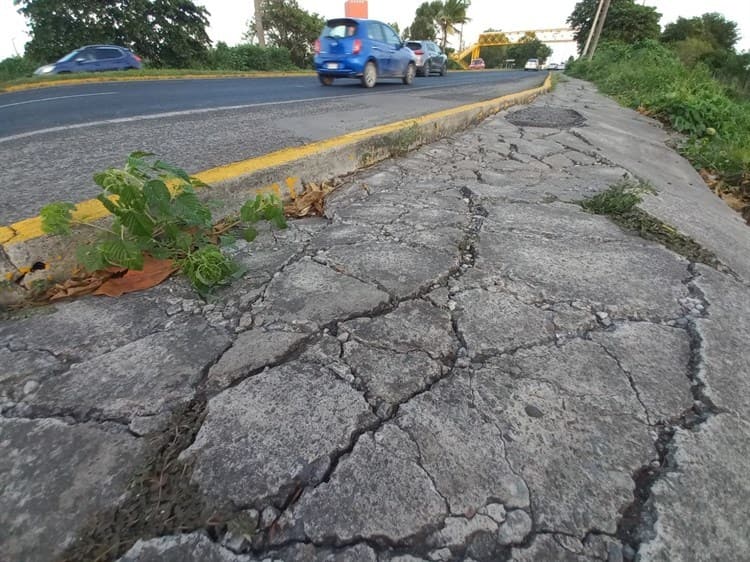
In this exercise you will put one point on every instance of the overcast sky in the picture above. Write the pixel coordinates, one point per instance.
(229, 17)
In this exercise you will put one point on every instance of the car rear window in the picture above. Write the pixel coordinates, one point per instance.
(340, 28)
(414, 45)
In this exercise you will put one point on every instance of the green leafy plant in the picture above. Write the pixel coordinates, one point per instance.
(155, 211)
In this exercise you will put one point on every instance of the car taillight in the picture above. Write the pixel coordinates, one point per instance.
(357, 46)
(137, 57)
(317, 46)
(419, 52)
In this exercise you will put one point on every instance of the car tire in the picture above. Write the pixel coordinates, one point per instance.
(426, 70)
(411, 71)
(369, 75)
(444, 69)
(325, 80)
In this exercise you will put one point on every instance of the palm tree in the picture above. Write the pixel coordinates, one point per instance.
(259, 31)
(452, 13)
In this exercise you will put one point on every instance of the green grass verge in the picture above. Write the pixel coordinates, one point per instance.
(650, 77)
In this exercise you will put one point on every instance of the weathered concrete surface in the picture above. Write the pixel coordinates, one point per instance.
(53, 477)
(635, 143)
(292, 420)
(701, 502)
(147, 377)
(455, 363)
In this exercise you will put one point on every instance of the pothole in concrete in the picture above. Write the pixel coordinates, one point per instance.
(552, 117)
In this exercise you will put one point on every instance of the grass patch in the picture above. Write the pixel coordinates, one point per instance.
(620, 202)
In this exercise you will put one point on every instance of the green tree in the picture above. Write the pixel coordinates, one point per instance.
(711, 28)
(423, 27)
(626, 21)
(290, 27)
(451, 14)
(166, 32)
(529, 47)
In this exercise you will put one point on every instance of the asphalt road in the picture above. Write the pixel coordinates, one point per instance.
(53, 140)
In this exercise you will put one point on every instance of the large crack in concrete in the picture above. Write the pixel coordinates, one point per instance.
(637, 525)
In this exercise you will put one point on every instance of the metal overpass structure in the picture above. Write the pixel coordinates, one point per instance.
(503, 38)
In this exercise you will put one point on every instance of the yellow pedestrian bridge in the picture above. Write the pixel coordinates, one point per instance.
(502, 38)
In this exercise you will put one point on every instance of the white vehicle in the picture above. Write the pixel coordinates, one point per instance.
(532, 64)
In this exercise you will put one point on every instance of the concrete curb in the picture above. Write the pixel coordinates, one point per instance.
(29, 253)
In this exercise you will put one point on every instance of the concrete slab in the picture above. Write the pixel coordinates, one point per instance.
(54, 477)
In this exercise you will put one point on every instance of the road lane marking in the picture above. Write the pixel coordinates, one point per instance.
(57, 98)
(188, 112)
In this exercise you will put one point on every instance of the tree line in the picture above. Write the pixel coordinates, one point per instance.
(172, 33)
(709, 39)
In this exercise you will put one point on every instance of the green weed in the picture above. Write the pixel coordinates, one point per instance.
(156, 211)
(619, 203)
(618, 199)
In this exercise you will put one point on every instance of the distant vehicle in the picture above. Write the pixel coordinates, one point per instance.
(476, 64)
(429, 57)
(553, 66)
(363, 49)
(532, 64)
(93, 58)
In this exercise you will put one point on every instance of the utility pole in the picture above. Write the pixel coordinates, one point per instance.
(593, 27)
(259, 31)
(599, 28)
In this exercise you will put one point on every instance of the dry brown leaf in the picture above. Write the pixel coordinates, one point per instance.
(78, 285)
(311, 202)
(154, 272)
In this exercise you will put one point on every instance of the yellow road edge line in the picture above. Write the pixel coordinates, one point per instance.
(115, 79)
(104, 80)
(92, 209)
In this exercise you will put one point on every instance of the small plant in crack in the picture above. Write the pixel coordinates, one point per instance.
(618, 199)
(619, 203)
(157, 214)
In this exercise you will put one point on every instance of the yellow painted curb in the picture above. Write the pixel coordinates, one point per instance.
(284, 171)
(102, 79)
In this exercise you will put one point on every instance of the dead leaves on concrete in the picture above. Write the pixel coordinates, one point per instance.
(312, 201)
(738, 198)
(114, 281)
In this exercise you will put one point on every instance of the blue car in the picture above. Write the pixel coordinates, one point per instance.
(363, 49)
(93, 58)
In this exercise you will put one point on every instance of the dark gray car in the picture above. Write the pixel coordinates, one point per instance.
(429, 57)
(93, 58)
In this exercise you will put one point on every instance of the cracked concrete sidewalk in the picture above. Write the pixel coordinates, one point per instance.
(458, 363)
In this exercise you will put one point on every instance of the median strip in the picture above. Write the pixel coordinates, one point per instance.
(30, 254)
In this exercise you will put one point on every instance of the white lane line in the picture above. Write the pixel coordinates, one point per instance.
(57, 98)
(187, 112)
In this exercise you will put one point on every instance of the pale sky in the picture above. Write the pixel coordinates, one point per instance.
(229, 17)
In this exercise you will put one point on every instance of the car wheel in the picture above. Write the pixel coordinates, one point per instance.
(369, 75)
(325, 80)
(444, 69)
(411, 70)
(426, 70)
